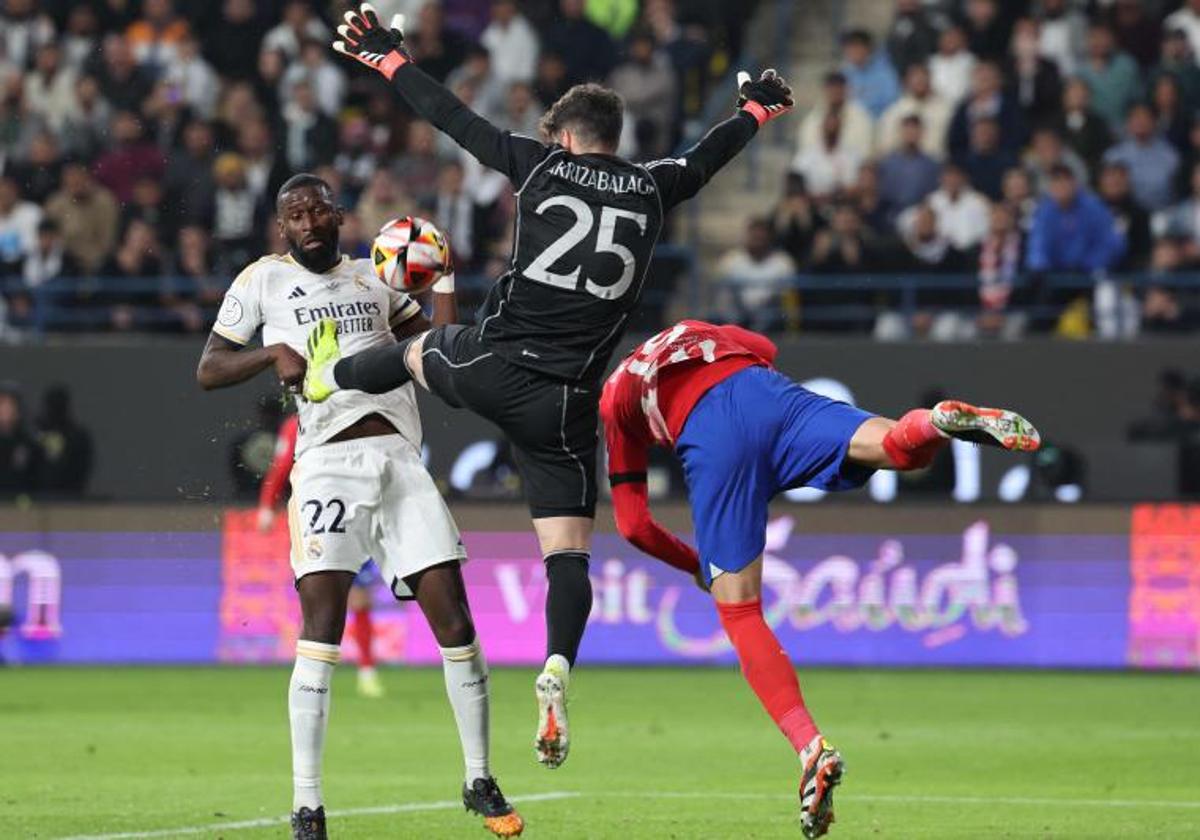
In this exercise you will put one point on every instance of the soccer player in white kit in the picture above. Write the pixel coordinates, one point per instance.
(359, 487)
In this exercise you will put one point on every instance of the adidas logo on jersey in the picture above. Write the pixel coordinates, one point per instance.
(296, 293)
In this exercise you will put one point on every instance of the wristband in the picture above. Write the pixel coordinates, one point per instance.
(445, 285)
(756, 110)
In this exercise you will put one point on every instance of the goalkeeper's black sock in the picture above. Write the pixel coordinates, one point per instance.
(374, 371)
(568, 603)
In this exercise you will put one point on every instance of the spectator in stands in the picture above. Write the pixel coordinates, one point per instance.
(193, 292)
(164, 114)
(65, 464)
(1165, 311)
(85, 129)
(753, 276)
(356, 159)
(188, 181)
(512, 42)
(1111, 75)
(1035, 80)
(237, 106)
(381, 201)
(925, 248)
(913, 35)
(908, 174)
(1115, 189)
(437, 47)
(829, 165)
(87, 215)
(123, 84)
(868, 201)
(551, 81)
(239, 214)
(146, 204)
(1187, 21)
(962, 213)
(138, 257)
(265, 167)
(1137, 32)
(1062, 34)
(1174, 123)
(1151, 160)
(81, 36)
(455, 211)
(1072, 229)
(1176, 60)
(986, 29)
(416, 170)
(856, 128)
(843, 247)
(233, 51)
(476, 70)
(1180, 225)
(44, 266)
(327, 80)
(869, 72)
(919, 100)
(50, 88)
(299, 24)
(129, 157)
(1047, 151)
(1081, 128)
(646, 82)
(587, 50)
(521, 112)
(986, 161)
(20, 456)
(614, 16)
(795, 221)
(1017, 192)
(309, 137)
(40, 173)
(1001, 256)
(18, 227)
(23, 29)
(156, 36)
(987, 99)
(192, 79)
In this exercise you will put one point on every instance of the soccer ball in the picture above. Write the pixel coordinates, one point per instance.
(410, 254)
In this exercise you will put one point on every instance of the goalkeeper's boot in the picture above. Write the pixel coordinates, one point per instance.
(553, 736)
(483, 797)
(322, 352)
(988, 426)
(822, 772)
(369, 684)
(308, 824)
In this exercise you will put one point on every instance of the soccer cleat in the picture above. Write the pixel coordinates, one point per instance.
(308, 824)
(553, 737)
(823, 769)
(483, 797)
(987, 426)
(369, 684)
(322, 353)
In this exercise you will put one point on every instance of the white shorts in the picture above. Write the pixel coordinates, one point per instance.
(369, 498)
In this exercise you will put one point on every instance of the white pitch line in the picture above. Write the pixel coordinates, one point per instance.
(266, 822)
(932, 800)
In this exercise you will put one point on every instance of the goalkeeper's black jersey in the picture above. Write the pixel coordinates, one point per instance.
(585, 231)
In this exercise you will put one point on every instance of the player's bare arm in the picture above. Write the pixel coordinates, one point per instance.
(224, 363)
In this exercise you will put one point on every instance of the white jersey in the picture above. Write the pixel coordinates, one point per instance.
(287, 301)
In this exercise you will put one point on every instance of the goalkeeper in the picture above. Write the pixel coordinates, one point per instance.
(587, 223)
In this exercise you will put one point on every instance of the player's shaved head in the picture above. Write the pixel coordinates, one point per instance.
(593, 114)
(304, 180)
(308, 219)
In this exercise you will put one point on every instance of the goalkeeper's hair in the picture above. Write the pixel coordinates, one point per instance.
(591, 111)
(300, 181)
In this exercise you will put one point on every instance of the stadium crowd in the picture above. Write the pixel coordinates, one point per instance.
(1005, 142)
(142, 143)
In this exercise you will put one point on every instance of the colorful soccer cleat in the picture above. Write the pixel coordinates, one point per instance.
(553, 737)
(987, 426)
(322, 353)
(823, 769)
(369, 684)
(308, 824)
(483, 797)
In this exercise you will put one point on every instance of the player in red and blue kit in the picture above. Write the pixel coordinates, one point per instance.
(745, 433)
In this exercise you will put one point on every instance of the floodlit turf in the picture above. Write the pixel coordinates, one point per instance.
(656, 753)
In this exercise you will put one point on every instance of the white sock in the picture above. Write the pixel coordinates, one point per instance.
(467, 687)
(308, 709)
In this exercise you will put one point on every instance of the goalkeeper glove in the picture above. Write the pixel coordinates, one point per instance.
(366, 40)
(765, 99)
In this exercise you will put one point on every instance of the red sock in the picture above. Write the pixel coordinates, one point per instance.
(768, 670)
(913, 441)
(364, 629)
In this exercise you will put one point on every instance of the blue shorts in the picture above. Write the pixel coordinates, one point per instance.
(368, 575)
(749, 438)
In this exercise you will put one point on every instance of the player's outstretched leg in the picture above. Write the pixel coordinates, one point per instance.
(769, 672)
(374, 371)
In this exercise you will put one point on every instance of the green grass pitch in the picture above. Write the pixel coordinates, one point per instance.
(655, 754)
